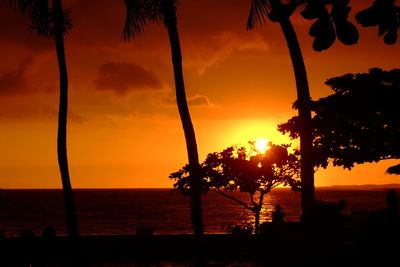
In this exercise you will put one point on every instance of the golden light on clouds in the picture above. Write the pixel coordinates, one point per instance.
(124, 128)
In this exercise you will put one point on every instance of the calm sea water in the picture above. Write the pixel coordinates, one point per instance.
(121, 211)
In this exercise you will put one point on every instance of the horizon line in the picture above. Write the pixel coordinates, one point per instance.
(156, 188)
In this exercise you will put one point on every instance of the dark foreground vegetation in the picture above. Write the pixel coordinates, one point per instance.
(369, 239)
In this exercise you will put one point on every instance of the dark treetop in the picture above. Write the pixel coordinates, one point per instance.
(359, 123)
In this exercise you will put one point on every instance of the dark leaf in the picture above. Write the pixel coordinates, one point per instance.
(324, 33)
(312, 10)
(340, 10)
(368, 17)
(346, 32)
(390, 37)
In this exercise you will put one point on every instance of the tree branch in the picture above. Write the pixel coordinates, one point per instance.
(252, 200)
(262, 193)
(232, 198)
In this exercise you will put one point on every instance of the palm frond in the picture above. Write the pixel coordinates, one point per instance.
(40, 15)
(258, 11)
(136, 19)
(16, 4)
(9, 3)
(140, 12)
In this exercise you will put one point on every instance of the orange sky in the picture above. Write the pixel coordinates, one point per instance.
(124, 129)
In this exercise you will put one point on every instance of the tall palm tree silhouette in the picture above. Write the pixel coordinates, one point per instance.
(58, 18)
(324, 30)
(48, 19)
(258, 10)
(138, 13)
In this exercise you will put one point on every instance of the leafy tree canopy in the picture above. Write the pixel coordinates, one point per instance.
(384, 14)
(245, 170)
(359, 123)
(330, 19)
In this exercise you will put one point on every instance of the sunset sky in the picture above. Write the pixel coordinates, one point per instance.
(124, 128)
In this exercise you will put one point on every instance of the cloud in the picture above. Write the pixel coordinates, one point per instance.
(121, 78)
(18, 33)
(200, 101)
(205, 53)
(14, 82)
(169, 100)
(51, 112)
(20, 109)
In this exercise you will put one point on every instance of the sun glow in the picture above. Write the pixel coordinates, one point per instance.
(262, 145)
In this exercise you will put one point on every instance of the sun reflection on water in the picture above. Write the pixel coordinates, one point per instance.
(265, 214)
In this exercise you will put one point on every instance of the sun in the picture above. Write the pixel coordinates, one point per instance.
(262, 145)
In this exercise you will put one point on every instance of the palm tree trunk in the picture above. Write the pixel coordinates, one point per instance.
(170, 22)
(72, 222)
(303, 100)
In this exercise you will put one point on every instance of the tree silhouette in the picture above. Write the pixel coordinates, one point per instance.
(358, 123)
(324, 30)
(49, 20)
(139, 12)
(243, 169)
(384, 14)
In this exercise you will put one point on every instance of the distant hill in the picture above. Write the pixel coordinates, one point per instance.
(361, 187)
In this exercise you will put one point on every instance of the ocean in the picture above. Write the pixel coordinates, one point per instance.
(121, 211)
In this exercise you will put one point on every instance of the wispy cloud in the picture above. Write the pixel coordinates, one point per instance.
(14, 82)
(204, 53)
(122, 78)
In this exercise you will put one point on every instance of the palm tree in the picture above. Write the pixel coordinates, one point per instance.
(325, 29)
(53, 23)
(259, 9)
(138, 13)
(58, 19)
